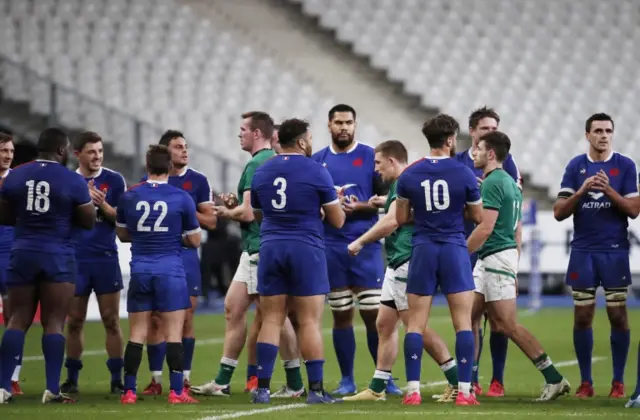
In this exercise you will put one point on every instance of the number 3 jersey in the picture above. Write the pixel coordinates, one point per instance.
(43, 196)
(156, 215)
(290, 189)
(501, 193)
(438, 188)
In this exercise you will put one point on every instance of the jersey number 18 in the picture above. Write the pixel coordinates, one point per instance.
(38, 196)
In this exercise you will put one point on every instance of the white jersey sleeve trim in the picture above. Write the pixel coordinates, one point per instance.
(191, 232)
(474, 203)
(121, 225)
(336, 201)
(632, 195)
(569, 190)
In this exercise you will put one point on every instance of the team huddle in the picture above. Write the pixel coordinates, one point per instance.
(311, 233)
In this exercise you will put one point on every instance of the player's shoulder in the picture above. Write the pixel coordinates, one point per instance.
(623, 160)
(195, 175)
(577, 161)
(366, 148)
(114, 176)
(317, 156)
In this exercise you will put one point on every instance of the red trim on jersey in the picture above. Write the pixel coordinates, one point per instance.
(414, 163)
(24, 164)
(135, 185)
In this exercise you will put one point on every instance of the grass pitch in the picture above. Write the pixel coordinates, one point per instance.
(523, 383)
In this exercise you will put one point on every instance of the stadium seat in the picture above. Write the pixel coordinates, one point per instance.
(153, 60)
(545, 65)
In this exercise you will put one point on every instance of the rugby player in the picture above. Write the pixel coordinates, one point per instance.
(391, 160)
(352, 169)
(98, 265)
(197, 186)
(482, 121)
(440, 190)
(600, 190)
(256, 135)
(498, 240)
(46, 202)
(7, 150)
(157, 219)
(287, 192)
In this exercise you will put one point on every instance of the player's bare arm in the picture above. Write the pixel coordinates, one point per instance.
(242, 213)
(85, 215)
(334, 214)
(206, 216)
(123, 234)
(192, 239)
(482, 232)
(257, 215)
(403, 211)
(383, 228)
(630, 206)
(7, 217)
(519, 238)
(567, 201)
(378, 201)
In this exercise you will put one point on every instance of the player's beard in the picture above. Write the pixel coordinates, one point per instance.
(342, 143)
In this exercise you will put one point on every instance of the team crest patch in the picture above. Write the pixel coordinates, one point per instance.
(187, 186)
(104, 188)
(614, 171)
(358, 162)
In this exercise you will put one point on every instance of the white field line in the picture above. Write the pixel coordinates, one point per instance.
(237, 414)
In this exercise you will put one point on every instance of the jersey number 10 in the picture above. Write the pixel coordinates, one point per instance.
(437, 197)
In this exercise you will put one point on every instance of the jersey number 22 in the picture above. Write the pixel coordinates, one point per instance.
(160, 206)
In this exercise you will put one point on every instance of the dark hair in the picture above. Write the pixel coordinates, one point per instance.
(291, 130)
(5, 138)
(84, 138)
(498, 142)
(169, 135)
(393, 149)
(158, 159)
(479, 114)
(260, 121)
(438, 129)
(51, 140)
(597, 117)
(342, 108)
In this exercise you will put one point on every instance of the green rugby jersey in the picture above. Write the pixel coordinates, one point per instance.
(398, 244)
(501, 193)
(251, 231)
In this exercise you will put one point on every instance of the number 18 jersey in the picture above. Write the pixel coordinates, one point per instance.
(156, 215)
(438, 188)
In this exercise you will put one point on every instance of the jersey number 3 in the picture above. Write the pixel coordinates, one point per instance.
(38, 196)
(160, 206)
(437, 197)
(281, 183)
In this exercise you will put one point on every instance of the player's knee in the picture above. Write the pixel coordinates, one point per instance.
(75, 324)
(111, 322)
(385, 327)
(175, 357)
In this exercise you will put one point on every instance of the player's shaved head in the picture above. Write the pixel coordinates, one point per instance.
(438, 129)
(499, 142)
(480, 114)
(84, 138)
(53, 144)
(393, 149)
(597, 117)
(158, 160)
